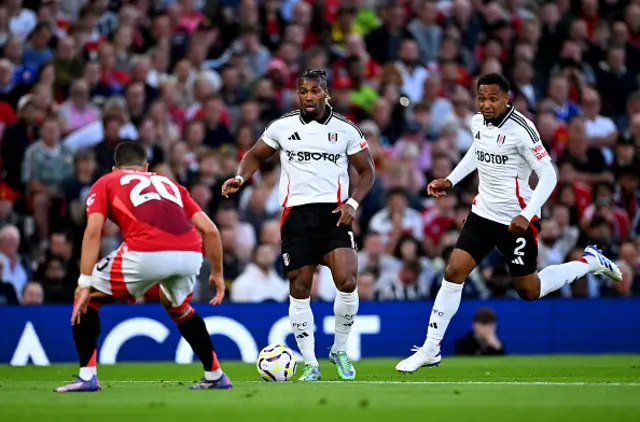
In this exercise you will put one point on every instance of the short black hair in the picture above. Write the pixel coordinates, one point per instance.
(319, 74)
(130, 153)
(494, 79)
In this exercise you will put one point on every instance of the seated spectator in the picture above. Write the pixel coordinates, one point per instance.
(412, 281)
(77, 112)
(8, 294)
(374, 259)
(482, 340)
(397, 219)
(77, 188)
(367, 286)
(47, 167)
(604, 207)
(227, 217)
(59, 287)
(260, 282)
(32, 294)
(94, 133)
(14, 270)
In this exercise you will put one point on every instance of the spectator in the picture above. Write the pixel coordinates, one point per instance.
(36, 50)
(396, 219)
(227, 217)
(482, 340)
(601, 130)
(14, 269)
(77, 112)
(18, 137)
(32, 294)
(367, 286)
(47, 167)
(7, 291)
(259, 282)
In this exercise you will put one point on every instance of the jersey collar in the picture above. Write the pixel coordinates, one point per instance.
(323, 120)
(500, 121)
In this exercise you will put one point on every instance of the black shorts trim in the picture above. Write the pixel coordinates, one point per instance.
(479, 236)
(309, 232)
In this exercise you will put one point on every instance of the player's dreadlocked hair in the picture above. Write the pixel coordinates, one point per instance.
(319, 74)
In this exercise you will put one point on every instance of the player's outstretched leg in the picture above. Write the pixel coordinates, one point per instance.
(344, 267)
(302, 321)
(555, 277)
(85, 337)
(194, 331)
(444, 308)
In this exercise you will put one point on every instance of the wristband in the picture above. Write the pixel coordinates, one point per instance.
(84, 280)
(240, 178)
(353, 203)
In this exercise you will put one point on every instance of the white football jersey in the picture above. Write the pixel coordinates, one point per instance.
(505, 153)
(314, 157)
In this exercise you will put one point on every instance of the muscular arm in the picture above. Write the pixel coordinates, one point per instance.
(464, 168)
(251, 161)
(362, 162)
(211, 240)
(91, 243)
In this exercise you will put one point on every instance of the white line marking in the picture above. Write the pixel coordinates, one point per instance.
(510, 383)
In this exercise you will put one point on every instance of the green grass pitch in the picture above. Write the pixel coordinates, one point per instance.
(517, 388)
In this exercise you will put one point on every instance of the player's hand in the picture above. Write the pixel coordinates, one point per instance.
(231, 186)
(347, 214)
(80, 305)
(217, 281)
(439, 187)
(519, 225)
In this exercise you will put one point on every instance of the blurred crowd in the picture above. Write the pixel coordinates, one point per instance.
(197, 81)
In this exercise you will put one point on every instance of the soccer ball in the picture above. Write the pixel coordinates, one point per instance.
(276, 363)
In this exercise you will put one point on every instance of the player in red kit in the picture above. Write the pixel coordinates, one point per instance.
(162, 228)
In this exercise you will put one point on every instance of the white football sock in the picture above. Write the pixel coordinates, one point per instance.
(444, 308)
(555, 277)
(303, 326)
(87, 372)
(213, 375)
(345, 308)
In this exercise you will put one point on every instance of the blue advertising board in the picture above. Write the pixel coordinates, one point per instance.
(42, 335)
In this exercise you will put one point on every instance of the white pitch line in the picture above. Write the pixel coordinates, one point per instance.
(509, 383)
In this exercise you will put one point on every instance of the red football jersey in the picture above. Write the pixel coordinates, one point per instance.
(153, 212)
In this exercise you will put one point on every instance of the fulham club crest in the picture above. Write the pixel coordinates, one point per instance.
(501, 139)
(333, 137)
(285, 258)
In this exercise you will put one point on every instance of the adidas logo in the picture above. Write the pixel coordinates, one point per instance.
(518, 261)
(294, 137)
(302, 335)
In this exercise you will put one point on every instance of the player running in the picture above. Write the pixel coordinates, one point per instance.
(161, 226)
(316, 147)
(505, 214)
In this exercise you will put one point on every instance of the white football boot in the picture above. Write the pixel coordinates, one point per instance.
(601, 264)
(419, 359)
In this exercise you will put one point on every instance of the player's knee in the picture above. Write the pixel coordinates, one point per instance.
(346, 284)
(528, 293)
(455, 274)
(299, 289)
